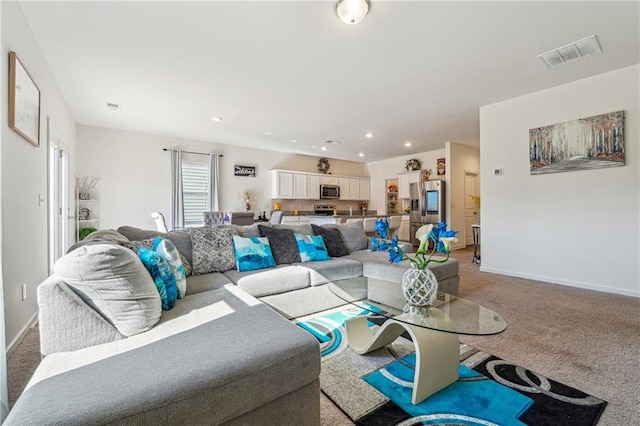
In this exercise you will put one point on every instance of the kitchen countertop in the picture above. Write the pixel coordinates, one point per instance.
(341, 213)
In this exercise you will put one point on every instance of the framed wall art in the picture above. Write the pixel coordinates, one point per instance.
(587, 143)
(249, 171)
(24, 102)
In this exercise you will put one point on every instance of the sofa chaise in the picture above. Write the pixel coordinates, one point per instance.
(225, 353)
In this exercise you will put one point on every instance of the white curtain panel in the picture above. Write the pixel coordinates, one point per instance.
(177, 202)
(213, 202)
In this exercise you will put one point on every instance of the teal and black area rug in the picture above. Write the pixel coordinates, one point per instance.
(375, 389)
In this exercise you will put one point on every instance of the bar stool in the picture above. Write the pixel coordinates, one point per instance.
(394, 225)
(370, 226)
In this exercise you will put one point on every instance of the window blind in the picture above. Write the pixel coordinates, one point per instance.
(194, 191)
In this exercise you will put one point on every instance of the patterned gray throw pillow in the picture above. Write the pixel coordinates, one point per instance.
(212, 249)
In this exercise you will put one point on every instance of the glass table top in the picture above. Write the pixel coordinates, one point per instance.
(448, 313)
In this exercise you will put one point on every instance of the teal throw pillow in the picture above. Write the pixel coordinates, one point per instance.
(168, 250)
(162, 276)
(252, 253)
(311, 247)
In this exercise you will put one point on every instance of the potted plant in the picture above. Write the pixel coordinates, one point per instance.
(413, 164)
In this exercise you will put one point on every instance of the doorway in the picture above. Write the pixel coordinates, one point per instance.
(471, 213)
(58, 196)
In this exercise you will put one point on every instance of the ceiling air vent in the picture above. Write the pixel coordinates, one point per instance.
(571, 52)
(332, 142)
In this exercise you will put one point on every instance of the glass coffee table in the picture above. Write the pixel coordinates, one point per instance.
(433, 329)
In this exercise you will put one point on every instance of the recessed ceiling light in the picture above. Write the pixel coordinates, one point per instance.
(294, 141)
(268, 133)
(113, 106)
(216, 119)
(407, 144)
(369, 135)
(324, 148)
(314, 147)
(361, 154)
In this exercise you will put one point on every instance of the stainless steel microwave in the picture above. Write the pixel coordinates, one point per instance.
(329, 192)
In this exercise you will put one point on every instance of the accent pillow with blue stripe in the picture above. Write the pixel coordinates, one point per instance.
(311, 247)
(162, 276)
(252, 253)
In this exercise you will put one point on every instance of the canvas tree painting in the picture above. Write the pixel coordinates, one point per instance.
(587, 143)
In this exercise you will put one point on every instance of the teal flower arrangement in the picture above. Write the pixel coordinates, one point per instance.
(442, 243)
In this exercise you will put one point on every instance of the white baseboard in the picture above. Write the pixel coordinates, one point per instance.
(550, 280)
(14, 344)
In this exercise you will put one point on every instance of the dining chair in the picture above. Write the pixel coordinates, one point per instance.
(370, 226)
(276, 217)
(161, 224)
(213, 218)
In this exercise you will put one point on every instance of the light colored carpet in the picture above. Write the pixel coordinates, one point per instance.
(585, 339)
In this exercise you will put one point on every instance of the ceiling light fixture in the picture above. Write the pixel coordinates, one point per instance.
(216, 119)
(268, 133)
(324, 148)
(407, 144)
(361, 154)
(571, 52)
(369, 135)
(293, 140)
(352, 11)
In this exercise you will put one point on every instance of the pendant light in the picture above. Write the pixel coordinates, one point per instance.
(352, 11)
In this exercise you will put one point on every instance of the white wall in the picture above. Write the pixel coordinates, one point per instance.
(576, 228)
(24, 178)
(380, 171)
(460, 159)
(4, 395)
(135, 173)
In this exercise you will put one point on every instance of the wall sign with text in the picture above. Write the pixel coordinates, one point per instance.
(244, 171)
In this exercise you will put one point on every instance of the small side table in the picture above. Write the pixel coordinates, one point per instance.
(475, 229)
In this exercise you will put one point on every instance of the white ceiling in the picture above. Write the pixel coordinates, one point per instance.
(411, 71)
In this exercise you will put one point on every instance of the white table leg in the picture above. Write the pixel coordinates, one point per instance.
(437, 352)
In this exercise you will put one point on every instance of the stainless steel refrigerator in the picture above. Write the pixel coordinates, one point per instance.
(427, 205)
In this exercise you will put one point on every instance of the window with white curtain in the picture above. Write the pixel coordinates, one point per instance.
(195, 188)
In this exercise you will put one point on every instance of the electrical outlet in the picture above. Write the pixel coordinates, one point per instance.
(24, 292)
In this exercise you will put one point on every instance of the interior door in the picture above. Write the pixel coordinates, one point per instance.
(58, 196)
(471, 215)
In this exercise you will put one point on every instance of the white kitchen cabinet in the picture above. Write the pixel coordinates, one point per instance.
(281, 184)
(289, 185)
(328, 180)
(365, 189)
(343, 182)
(404, 179)
(354, 189)
(405, 226)
(300, 185)
(323, 220)
(295, 219)
(313, 187)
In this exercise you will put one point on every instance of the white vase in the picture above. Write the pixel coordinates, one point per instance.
(419, 286)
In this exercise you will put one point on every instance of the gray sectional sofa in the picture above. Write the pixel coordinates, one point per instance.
(225, 354)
